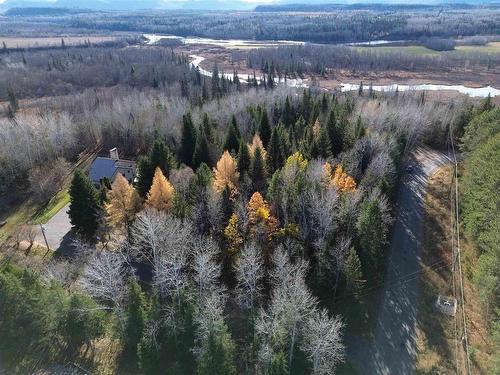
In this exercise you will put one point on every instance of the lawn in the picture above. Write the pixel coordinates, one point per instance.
(47, 212)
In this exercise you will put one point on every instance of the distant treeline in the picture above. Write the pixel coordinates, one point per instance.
(319, 59)
(376, 7)
(343, 26)
(43, 11)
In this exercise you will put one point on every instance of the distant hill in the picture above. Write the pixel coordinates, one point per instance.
(43, 11)
(63, 6)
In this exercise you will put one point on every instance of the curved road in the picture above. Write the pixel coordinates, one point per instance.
(393, 348)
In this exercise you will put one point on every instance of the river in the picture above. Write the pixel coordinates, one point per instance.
(297, 82)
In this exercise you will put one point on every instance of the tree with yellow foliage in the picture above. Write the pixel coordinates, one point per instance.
(226, 173)
(233, 236)
(123, 203)
(340, 179)
(259, 213)
(161, 194)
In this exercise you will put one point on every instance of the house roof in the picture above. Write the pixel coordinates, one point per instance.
(102, 167)
(106, 167)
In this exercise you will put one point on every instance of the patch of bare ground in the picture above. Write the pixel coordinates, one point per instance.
(441, 349)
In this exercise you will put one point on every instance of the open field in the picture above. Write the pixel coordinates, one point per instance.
(17, 42)
(414, 50)
(492, 47)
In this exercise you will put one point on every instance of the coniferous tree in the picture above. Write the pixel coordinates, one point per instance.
(84, 205)
(161, 157)
(145, 172)
(359, 130)
(233, 137)
(161, 195)
(323, 143)
(372, 232)
(188, 140)
(123, 203)
(264, 128)
(243, 158)
(275, 154)
(202, 149)
(353, 271)
(288, 117)
(258, 171)
(334, 133)
(136, 317)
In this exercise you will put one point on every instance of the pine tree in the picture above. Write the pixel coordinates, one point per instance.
(264, 128)
(84, 205)
(288, 117)
(161, 195)
(372, 232)
(202, 149)
(243, 158)
(334, 133)
(275, 154)
(188, 140)
(233, 137)
(353, 271)
(161, 157)
(359, 131)
(258, 171)
(323, 147)
(145, 172)
(136, 317)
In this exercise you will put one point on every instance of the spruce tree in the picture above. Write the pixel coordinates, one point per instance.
(258, 172)
(264, 129)
(188, 140)
(233, 137)
(202, 149)
(288, 117)
(84, 206)
(323, 144)
(353, 271)
(243, 158)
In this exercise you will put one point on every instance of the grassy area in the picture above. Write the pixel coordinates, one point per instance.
(493, 47)
(413, 50)
(53, 207)
(439, 352)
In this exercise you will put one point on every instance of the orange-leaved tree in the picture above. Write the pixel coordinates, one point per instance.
(226, 173)
(340, 179)
(161, 194)
(123, 203)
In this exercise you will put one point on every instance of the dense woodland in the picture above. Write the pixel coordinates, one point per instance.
(258, 208)
(480, 212)
(345, 25)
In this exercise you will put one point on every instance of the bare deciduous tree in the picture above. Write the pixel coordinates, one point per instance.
(322, 342)
(105, 278)
(249, 273)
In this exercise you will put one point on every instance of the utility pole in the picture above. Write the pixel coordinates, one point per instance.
(45, 238)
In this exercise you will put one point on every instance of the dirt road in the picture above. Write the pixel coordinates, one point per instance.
(393, 348)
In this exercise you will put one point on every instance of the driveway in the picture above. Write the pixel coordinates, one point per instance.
(56, 229)
(393, 348)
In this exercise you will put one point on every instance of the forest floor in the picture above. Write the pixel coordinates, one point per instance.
(439, 346)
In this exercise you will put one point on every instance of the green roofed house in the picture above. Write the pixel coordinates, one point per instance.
(109, 168)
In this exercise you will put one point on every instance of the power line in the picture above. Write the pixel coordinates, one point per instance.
(457, 226)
